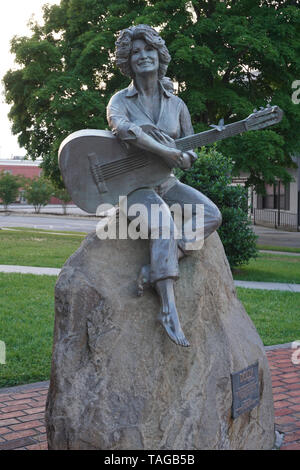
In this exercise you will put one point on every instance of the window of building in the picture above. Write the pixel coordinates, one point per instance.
(274, 193)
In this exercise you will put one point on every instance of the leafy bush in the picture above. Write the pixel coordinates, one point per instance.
(9, 188)
(211, 174)
(38, 192)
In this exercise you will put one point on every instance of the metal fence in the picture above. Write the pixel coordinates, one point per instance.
(275, 218)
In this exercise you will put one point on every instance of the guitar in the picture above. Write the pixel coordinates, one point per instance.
(97, 167)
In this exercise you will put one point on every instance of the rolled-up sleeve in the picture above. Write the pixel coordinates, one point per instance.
(118, 121)
(187, 127)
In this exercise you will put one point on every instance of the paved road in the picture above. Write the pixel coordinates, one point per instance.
(78, 221)
(76, 224)
(49, 208)
(273, 237)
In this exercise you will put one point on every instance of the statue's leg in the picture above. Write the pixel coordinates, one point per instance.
(163, 268)
(143, 281)
(168, 315)
(183, 194)
(161, 233)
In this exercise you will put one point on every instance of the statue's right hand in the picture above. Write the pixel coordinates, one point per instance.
(173, 157)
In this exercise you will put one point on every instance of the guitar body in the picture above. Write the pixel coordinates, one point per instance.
(97, 168)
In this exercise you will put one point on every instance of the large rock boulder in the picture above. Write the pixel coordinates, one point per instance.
(118, 382)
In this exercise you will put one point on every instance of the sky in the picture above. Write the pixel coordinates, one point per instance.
(14, 18)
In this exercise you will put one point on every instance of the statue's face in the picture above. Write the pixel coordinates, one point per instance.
(144, 58)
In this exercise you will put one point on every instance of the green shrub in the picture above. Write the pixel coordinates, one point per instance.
(9, 188)
(211, 174)
(38, 192)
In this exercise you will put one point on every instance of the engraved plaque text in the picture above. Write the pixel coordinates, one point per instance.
(245, 390)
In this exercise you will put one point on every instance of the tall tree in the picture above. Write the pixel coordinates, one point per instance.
(228, 57)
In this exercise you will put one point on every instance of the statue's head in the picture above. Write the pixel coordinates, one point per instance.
(150, 36)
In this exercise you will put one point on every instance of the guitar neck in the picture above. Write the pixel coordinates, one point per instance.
(209, 137)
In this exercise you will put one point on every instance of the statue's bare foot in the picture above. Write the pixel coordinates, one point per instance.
(168, 315)
(169, 320)
(143, 280)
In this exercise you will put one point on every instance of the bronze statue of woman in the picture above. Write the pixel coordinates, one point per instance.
(149, 116)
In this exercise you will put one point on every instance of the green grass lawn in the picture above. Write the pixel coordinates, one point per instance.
(270, 268)
(27, 301)
(26, 327)
(27, 319)
(30, 247)
(275, 314)
(35, 248)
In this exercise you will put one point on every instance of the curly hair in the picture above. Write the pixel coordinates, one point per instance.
(151, 37)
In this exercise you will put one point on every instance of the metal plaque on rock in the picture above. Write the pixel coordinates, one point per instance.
(245, 390)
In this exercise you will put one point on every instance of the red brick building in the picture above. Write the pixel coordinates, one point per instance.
(26, 168)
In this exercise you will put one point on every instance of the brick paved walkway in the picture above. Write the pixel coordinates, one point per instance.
(22, 408)
(22, 423)
(286, 393)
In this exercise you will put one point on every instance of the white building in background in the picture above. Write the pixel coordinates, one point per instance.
(265, 209)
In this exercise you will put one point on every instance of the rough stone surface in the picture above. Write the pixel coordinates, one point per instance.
(118, 382)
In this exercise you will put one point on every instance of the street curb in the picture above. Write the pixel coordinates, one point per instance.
(24, 388)
(262, 285)
(50, 214)
(37, 271)
(281, 253)
(278, 346)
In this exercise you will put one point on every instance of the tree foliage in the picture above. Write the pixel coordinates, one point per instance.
(38, 192)
(228, 57)
(63, 195)
(211, 174)
(9, 188)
